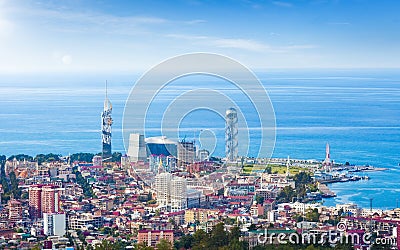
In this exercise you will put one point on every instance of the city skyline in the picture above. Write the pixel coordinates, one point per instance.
(253, 124)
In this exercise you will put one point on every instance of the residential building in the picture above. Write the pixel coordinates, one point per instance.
(54, 224)
(14, 210)
(186, 153)
(153, 237)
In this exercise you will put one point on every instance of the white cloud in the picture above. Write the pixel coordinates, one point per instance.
(235, 43)
(196, 21)
(187, 37)
(282, 4)
(66, 59)
(244, 44)
(240, 43)
(98, 23)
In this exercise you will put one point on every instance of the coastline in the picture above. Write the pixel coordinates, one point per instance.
(381, 187)
(375, 170)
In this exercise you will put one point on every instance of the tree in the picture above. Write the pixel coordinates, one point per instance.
(86, 157)
(40, 158)
(164, 245)
(219, 237)
(302, 179)
(259, 199)
(235, 244)
(234, 234)
(286, 194)
(116, 157)
(87, 189)
(344, 246)
(108, 245)
(14, 186)
(20, 157)
(143, 246)
(185, 242)
(200, 240)
(312, 215)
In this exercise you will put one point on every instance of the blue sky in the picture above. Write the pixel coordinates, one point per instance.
(118, 36)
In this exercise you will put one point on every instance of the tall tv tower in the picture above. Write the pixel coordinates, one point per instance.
(106, 128)
(231, 134)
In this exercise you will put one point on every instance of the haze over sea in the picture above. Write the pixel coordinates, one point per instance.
(356, 111)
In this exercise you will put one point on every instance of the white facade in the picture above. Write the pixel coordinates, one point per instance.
(97, 160)
(178, 194)
(54, 224)
(162, 188)
(137, 148)
(171, 192)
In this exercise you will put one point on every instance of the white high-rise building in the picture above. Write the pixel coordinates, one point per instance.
(171, 192)
(162, 188)
(231, 134)
(54, 224)
(137, 148)
(178, 194)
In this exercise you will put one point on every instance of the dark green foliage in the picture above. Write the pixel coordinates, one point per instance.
(259, 199)
(20, 157)
(185, 242)
(116, 157)
(87, 189)
(302, 181)
(312, 215)
(40, 158)
(85, 157)
(201, 240)
(164, 245)
(287, 194)
(10, 185)
(108, 245)
(217, 239)
(14, 186)
(88, 157)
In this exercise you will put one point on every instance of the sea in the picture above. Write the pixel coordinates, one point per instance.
(356, 111)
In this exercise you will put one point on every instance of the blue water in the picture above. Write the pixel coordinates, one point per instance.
(356, 111)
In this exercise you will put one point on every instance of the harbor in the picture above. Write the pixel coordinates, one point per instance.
(326, 192)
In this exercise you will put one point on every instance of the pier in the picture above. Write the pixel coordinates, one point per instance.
(326, 192)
